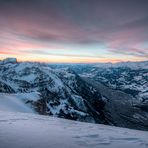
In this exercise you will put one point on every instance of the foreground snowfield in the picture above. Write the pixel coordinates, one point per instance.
(27, 130)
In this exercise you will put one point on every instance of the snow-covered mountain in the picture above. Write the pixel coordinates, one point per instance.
(124, 87)
(60, 92)
(130, 77)
(78, 92)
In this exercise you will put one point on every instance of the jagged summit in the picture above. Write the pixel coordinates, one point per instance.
(9, 60)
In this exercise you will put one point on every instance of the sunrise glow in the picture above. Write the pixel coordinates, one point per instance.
(74, 31)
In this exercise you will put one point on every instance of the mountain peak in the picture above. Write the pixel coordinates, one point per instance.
(9, 60)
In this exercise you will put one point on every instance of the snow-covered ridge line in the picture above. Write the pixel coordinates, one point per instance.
(132, 65)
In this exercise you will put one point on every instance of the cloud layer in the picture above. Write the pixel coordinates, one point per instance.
(91, 28)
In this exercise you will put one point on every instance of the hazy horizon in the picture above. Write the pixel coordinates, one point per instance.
(101, 62)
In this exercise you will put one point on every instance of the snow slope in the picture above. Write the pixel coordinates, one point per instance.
(16, 102)
(23, 130)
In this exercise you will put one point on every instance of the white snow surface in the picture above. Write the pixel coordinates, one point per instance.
(24, 130)
(16, 102)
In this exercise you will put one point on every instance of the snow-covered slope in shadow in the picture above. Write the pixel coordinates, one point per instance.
(19, 130)
(16, 102)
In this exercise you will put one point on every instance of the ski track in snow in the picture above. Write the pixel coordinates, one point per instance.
(23, 130)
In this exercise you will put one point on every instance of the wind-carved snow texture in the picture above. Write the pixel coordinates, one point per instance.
(23, 130)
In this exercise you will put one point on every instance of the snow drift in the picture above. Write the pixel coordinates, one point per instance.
(23, 130)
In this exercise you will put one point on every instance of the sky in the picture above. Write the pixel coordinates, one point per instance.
(74, 31)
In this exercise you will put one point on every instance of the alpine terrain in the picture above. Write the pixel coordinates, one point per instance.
(112, 94)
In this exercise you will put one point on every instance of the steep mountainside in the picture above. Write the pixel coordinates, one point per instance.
(130, 77)
(124, 87)
(61, 92)
(90, 93)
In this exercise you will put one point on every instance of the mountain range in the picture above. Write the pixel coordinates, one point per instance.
(112, 94)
